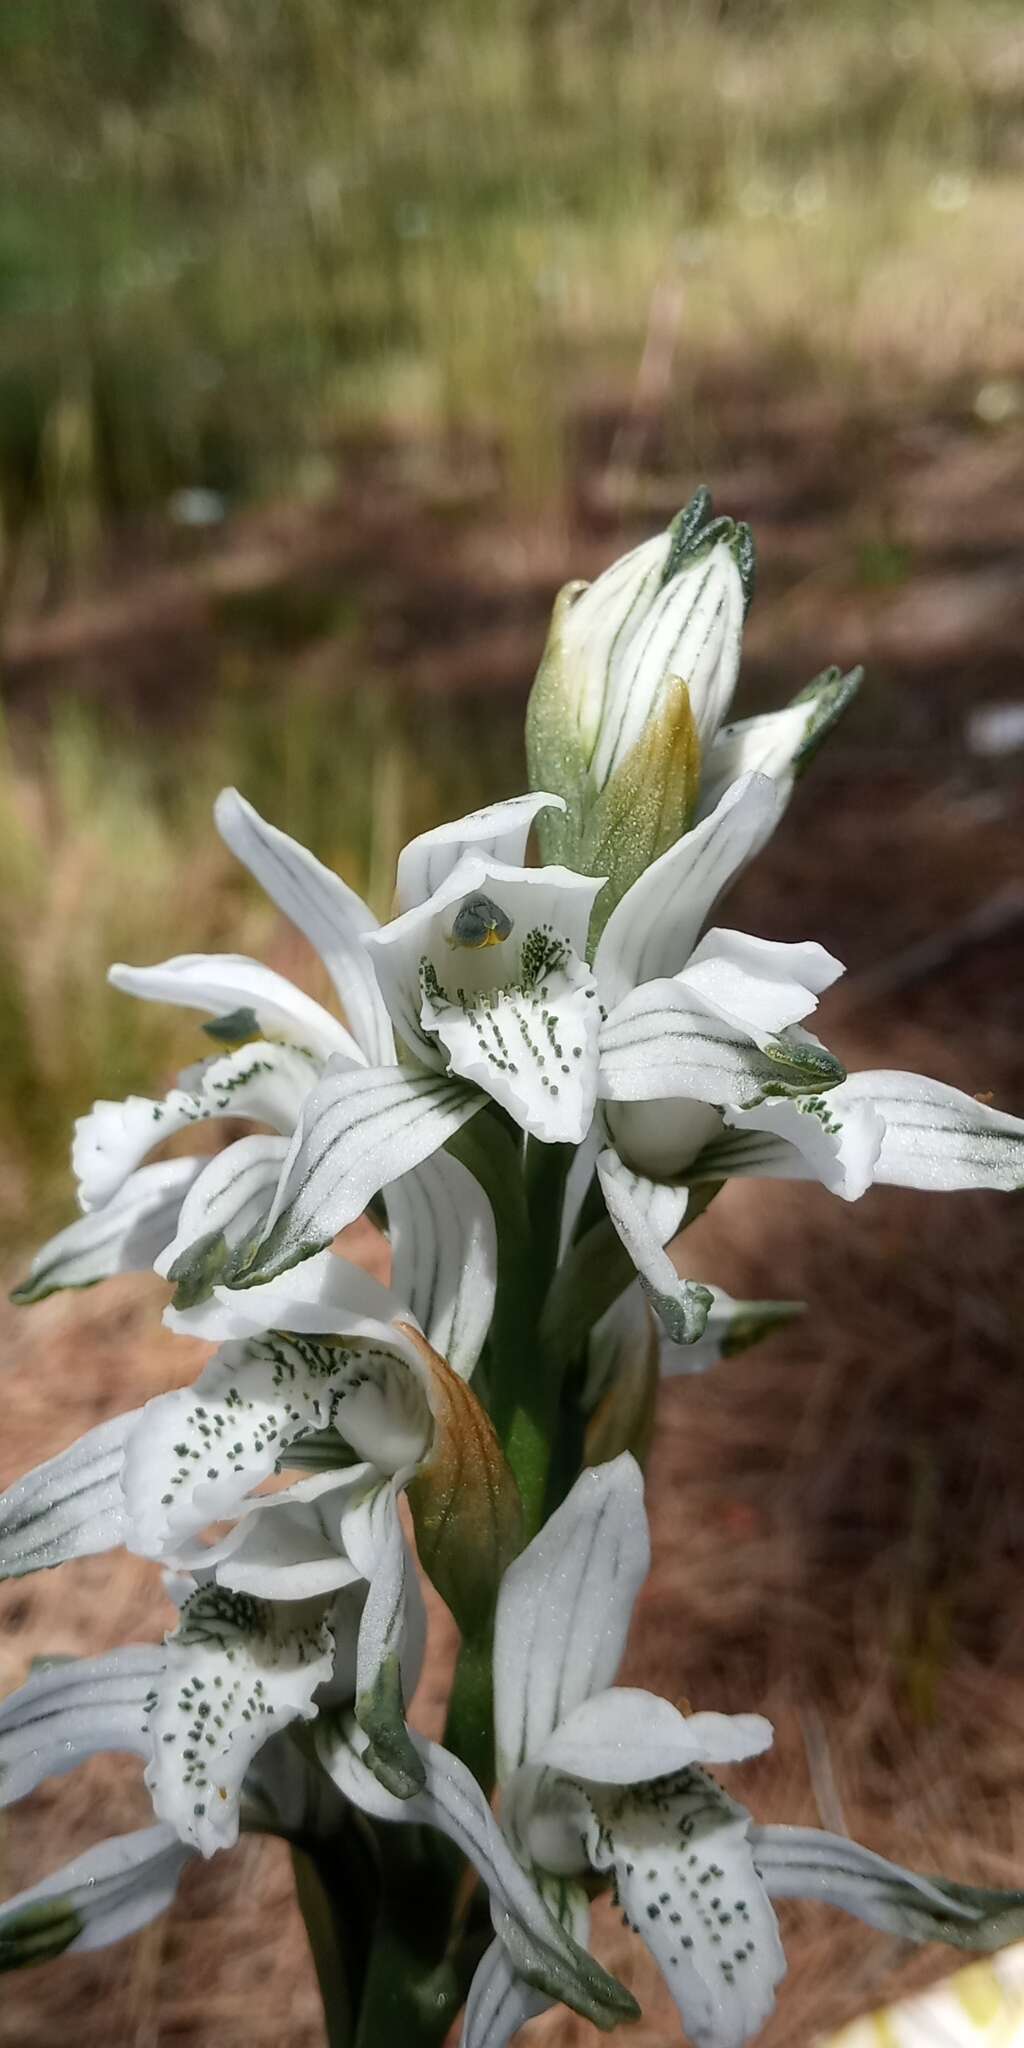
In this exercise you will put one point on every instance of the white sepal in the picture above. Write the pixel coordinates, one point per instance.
(70, 1507)
(760, 985)
(223, 984)
(935, 1137)
(655, 928)
(229, 1200)
(778, 743)
(564, 1609)
(383, 1557)
(498, 832)
(624, 1736)
(71, 1709)
(287, 1545)
(444, 1256)
(127, 1236)
(236, 1671)
(357, 1131)
(647, 1214)
(267, 1083)
(100, 1897)
(325, 1294)
(499, 2001)
(329, 913)
(662, 1043)
(807, 1137)
(804, 1863)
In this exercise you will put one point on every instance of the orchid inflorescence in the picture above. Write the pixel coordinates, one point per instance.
(544, 1074)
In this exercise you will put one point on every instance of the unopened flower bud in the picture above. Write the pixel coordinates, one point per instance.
(637, 675)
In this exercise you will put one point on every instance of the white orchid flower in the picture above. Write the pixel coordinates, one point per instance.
(304, 1602)
(707, 1070)
(607, 1783)
(487, 979)
(137, 1214)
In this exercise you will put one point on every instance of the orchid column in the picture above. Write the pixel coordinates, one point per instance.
(537, 1077)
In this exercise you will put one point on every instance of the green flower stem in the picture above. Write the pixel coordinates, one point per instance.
(469, 1728)
(527, 1386)
(524, 1379)
(415, 1983)
(321, 1903)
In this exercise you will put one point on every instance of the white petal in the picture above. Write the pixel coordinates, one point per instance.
(198, 1452)
(224, 983)
(69, 1710)
(126, 1236)
(804, 1863)
(444, 1256)
(267, 1083)
(110, 1892)
(647, 1214)
(732, 1327)
(582, 1169)
(759, 984)
(499, 2001)
(498, 832)
(227, 1204)
(625, 1736)
(686, 1879)
(662, 1139)
(452, 1801)
(564, 1609)
(380, 1700)
(655, 928)
(597, 618)
(288, 1546)
(809, 1137)
(935, 1137)
(237, 1671)
(326, 1295)
(357, 1131)
(70, 1507)
(780, 743)
(690, 627)
(660, 1042)
(330, 914)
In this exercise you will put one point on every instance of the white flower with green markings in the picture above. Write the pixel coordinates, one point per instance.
(606, 1784)
(708, 1071)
